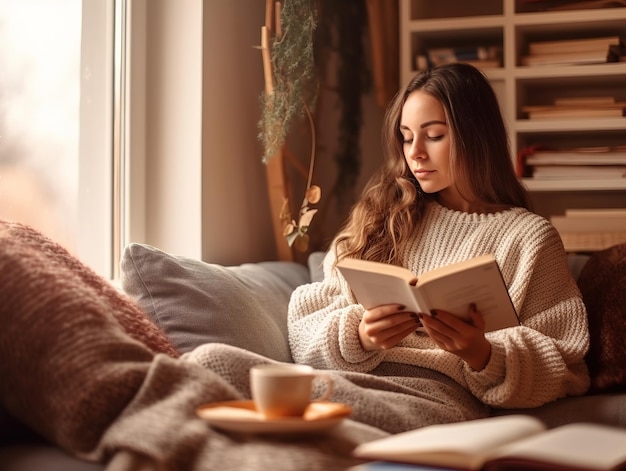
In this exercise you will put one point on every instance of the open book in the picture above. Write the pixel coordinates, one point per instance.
(450, 288)
(504, 443)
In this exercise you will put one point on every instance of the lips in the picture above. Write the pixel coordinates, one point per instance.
(421, 172)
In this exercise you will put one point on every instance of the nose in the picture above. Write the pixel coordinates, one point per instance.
(416, 151)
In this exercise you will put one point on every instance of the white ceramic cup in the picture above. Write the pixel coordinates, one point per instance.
(285, 390)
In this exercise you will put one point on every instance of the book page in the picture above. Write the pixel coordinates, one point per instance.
(374, 284)
(463, 444)
(479, 282)
(574, 446)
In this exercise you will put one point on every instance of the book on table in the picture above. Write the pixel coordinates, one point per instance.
(452, 288)
(513, 442)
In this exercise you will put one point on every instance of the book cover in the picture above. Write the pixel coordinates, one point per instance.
(450, 288)
(504, 442)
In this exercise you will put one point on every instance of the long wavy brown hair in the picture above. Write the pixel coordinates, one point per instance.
(392, 203)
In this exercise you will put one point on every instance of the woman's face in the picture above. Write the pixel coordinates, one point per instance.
(426, 146)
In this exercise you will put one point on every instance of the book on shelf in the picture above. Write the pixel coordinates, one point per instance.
(596, 56)
(576, 158)
(422, 62)
(579, 171)
(597, 213)
(573, 45)
(570, 112)
(446, 55)
(587, 230)
(503, 443)
(559, 5)
(391, 466)
(585, 101)
(591, 241)
(588, 222)
(451, 288)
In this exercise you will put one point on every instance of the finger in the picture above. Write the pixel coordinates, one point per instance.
(439, 322)
(396, 339)
(451, 324)
(380, 333)
(383, 311)
(476, 317)
(398, 330)
(389, 322)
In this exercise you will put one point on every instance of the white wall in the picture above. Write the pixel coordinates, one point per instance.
(236, 218)
(197, 181)
(173, 131)
(196, 107)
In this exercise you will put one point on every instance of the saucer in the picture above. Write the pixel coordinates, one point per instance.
(242, 416)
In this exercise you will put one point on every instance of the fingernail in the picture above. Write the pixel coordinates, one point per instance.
(401, 308)
(414, 316)
(433, 313)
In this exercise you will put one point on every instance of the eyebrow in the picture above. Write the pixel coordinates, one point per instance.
(424, 125)
(430, 123)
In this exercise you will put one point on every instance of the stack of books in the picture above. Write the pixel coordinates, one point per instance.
(578, 107)
(596, 50)
(554, 5)
(589, 230)
(600, 162)
(478, 56)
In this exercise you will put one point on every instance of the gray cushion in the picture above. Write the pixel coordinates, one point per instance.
(195, 302)
(315, 263)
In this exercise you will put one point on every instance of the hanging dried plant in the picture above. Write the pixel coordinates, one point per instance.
(290, 93)
(293, 75)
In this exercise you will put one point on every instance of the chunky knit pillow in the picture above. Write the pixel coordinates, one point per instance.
(602, 283)
(25, 254)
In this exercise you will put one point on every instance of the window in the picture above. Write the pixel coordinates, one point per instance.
(39, 112)
(56, 89)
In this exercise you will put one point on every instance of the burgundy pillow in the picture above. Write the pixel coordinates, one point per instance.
(602, 283)
(43, 257)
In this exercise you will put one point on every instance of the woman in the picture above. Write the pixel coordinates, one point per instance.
(448, 192)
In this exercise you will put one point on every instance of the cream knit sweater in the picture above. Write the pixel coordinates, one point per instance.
(537, 362)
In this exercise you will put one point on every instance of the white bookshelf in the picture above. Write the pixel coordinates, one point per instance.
(425, 24)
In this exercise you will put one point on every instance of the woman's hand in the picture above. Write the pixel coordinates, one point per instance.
(385, 326)
(463, 338)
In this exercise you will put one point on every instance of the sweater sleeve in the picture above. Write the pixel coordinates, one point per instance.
(324, 322)
(543, 359)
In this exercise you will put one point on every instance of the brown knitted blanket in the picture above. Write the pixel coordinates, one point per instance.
(83, 367)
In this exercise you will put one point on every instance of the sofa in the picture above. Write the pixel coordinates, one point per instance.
(194, 303)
